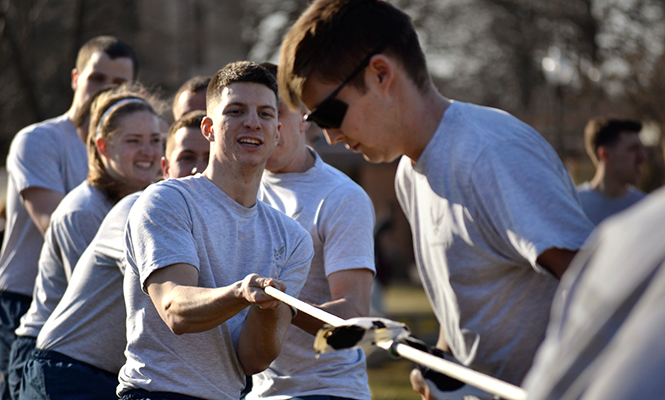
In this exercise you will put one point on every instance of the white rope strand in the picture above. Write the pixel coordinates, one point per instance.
(467, 375)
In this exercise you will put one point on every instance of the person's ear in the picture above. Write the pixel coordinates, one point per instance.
(75, 78)
(304, 125)
(603, 154)
(381, 71)
(102, 147)
(165, 168)
(278, 135)
(207, 129)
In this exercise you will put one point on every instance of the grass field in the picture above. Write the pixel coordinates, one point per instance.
(389, 377)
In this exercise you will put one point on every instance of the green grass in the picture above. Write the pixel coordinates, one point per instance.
(389, 377)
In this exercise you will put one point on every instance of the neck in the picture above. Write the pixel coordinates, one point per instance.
(302, 163)
(607, 186)
(241, 185)
(422, 117)
(82, 131)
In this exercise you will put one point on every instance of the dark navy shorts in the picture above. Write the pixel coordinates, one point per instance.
(21, 350)
(140, 394)
(12, 308)
(52, 375)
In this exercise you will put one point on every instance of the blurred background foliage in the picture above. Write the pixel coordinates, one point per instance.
(552, 63)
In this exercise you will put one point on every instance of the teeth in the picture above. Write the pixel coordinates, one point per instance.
(144, 164)
(251, 141)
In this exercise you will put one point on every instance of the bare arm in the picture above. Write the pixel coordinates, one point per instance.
(262, 336)
(350, 291)
(187, 308)
(40, 204)
(556, 260)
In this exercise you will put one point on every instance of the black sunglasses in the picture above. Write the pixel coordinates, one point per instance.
(330, 113)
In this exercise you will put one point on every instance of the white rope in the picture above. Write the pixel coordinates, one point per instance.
(467, 375)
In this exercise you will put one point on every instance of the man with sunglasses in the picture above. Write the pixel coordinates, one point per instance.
(339, 216)
(493, 212)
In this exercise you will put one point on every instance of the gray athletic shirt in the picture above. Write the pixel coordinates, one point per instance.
(339, 217)
(605, 337)
(89, 322)
(73, 225)
(191, 220)
(597, 206)
(487, 196)
(47, 155)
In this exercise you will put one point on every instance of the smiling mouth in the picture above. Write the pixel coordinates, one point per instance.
(250, 142)
(146, 165)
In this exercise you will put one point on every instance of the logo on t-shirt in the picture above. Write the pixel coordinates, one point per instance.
(278, 254)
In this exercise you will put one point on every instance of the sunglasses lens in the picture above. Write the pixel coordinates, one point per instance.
(329, 114)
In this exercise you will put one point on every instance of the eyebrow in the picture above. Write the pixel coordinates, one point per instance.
(240, 104)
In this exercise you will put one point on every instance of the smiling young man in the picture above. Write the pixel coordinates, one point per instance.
(339, 217)
(187, 150)
(616, 150)
(203, 248)
(47, 160)
(494, 214)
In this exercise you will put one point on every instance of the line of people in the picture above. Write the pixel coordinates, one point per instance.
(156, 292)
(114, 286)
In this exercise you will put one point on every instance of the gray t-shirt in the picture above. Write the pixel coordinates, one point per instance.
(605, 337)
(89, 322)
(597, 206)
(47, 155)
(73, 225)
(191, 220)
(339, 217)
(487, 196)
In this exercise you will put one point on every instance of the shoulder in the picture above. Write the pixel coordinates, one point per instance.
(80, 198)
(49, 130)
(280, 219)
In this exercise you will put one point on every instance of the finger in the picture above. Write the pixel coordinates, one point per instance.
(418, 382)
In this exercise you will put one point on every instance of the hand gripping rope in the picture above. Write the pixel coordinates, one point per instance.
(396, 339)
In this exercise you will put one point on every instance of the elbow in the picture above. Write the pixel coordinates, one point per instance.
(258, 360)
(174, 321)
(176, 325)
(256, 366)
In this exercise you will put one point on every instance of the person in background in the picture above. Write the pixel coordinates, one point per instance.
(494, 214)
(46, 161)
(339, 217)
(191, 96)
(125, 148)
(616, 150)
(203, 248)
(187, 150)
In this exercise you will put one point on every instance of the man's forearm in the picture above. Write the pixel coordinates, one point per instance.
(342, 308)
(262, 336)
(190, 309)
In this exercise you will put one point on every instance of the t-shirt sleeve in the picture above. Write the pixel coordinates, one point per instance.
(346, 228)
(74, 232)
(296, 266)
(528, 200)
(159, 232)
(34, 161)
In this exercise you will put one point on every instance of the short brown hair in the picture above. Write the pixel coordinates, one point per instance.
(194, 85)
(112, 46)
(606, 132)
(332, 37)
(241, 71)
(191, 119)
